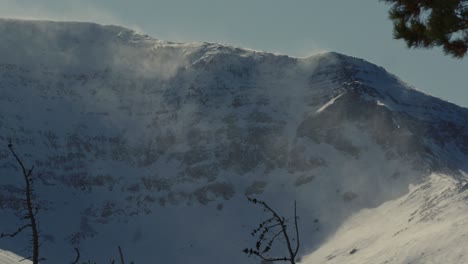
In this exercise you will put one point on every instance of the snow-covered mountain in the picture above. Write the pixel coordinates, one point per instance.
(153, 145)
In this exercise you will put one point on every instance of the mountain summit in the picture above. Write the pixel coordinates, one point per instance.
(153, 145)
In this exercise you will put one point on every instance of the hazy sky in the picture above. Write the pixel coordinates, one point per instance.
(294, 27)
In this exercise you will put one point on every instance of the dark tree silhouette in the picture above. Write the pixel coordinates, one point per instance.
(269, 231)
(426, 24)
(30, 209)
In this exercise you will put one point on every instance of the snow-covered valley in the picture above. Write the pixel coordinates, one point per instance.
(153, 146)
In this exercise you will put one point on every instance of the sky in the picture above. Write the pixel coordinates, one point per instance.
(298, 28)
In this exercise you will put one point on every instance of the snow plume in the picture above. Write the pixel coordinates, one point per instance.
(62, 11)
(160, 61)
(80, 48)
(62, 51)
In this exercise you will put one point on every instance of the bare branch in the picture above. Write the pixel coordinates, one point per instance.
(77, 256)
(23, 168)
(270, 259)
(297, 231)
(122, 260)
(30, 208)
(281, 222)
(2, 235)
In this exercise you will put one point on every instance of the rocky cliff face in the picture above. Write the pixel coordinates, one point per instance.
(161, 141)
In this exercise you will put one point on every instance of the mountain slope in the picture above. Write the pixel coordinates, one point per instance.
(427, 225)
(162, 141)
